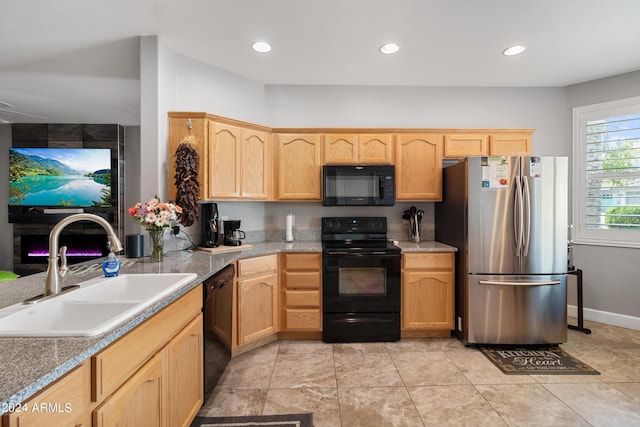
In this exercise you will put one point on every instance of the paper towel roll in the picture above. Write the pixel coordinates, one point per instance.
(289, 227)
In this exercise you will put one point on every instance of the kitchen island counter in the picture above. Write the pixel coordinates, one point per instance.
(29, 364)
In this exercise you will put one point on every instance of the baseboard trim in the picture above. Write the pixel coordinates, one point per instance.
(606, 317)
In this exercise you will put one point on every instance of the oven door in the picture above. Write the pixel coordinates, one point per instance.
(360, 282)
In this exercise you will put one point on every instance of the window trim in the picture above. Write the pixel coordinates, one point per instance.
(582, 115)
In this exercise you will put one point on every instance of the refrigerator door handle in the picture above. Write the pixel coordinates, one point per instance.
(518, 216)
(511, 283)
(526, 216)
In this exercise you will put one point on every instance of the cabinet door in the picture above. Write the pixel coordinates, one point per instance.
(510, 144)
(465, 145)
(256, 164)
(185, 374)
(257, 303)
(427, 300)
(299, 166)
(224, 161)
(64, 403)
(340, 148)
(139, 402)
(179, 129)
(375, 148)
(419, 167)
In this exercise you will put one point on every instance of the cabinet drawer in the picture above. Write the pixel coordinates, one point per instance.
(113, 365)
(428, 261)
(302, 319)
(300, 279)
(298, 261)
(301, 298)
(257, 266)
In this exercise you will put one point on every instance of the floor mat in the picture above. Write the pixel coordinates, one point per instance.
(538, 360)
(289, 420)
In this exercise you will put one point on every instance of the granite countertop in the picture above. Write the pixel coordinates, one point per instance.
(428, 246)
(28, 364)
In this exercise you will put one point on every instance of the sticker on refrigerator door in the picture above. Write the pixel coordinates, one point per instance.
(495, 172)
(535, 167)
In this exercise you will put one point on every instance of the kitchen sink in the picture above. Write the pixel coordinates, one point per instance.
(95, 307)
(130, 287)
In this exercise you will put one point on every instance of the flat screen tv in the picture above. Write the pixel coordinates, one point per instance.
(60, 177)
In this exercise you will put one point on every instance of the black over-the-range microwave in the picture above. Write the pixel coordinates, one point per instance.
(359, 185)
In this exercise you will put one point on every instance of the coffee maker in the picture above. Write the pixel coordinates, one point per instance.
(209, 221)
(232, 233)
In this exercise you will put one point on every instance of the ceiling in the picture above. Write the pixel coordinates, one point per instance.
(78, 61)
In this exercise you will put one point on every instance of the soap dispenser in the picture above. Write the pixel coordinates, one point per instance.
(111, 266)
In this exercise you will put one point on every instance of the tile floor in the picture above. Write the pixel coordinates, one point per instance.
(432, 382)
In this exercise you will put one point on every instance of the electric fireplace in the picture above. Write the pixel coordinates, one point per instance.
(34, 249)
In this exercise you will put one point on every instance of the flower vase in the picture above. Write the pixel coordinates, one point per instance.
(157, 245)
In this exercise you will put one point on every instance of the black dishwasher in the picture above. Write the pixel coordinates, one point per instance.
(218, 300)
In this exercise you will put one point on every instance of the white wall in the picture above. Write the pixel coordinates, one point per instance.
(150, 144)
(200, 87)
(611, 284)
(429, 107)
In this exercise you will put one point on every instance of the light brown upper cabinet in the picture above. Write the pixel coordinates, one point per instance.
(239, 162)
(246, 161)
(234, 158)
(510, 144)
(465, 145)
(299, 160)
(419, 166)
(256, 160)
(224, 161)
(488, 143)
(374, 148)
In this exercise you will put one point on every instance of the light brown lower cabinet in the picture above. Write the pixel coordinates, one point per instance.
(257, 315)
(152, 376)
(301, 285)
(139, 402)
(64, 403)
(427, 292)
(184, 362)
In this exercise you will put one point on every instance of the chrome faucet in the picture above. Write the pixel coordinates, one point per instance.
(56, 273)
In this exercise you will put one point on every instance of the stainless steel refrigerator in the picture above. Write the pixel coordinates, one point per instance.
(508, 218)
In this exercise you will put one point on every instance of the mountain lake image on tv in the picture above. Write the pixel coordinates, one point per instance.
(60, 177)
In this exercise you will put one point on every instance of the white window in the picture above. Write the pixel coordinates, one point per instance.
(606, 173)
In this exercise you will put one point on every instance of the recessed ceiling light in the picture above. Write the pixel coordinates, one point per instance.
(513, 50)
(389, 48)
(261, 47)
